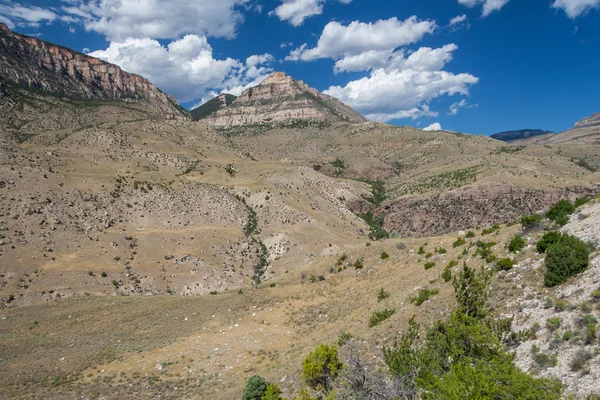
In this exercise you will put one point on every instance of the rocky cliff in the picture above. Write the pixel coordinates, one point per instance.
(592, 120)
(35, 64)
(280, 98)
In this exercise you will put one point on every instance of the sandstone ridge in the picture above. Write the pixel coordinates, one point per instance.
(282, 99)
(35, 64)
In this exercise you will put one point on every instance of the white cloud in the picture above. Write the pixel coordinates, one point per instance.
(489, 6)
(387, 95)
(454, 107)
(458, 19)
(186, 67)
(339, 41)
(436, 126)
(296, 11)
(157, 19)
(424, 59)
(25, 16)
(575, 8)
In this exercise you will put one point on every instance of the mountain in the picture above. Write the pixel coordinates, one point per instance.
(584, 132)
(592, 120)
(30, 65)
(522, 134)
(282, 99)
(214, 104)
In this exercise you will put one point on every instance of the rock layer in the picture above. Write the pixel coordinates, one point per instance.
(282, 99)
(35, 64)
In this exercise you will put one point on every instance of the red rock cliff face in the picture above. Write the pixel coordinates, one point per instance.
(37, 64)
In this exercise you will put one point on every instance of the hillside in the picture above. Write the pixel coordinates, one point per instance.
(214, 104)
(282, 99)
(145, 255)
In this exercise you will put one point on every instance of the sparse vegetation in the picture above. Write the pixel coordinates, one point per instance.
(382, 295)
(517, 243)
(530, 221)
(380, 316)
(505, 264)
(459, 242)
(423, 296)
(429, 265)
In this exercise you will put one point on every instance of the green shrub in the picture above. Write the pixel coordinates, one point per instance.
(517, 243)
(581, 201)
(545, 360)
(428, 255)
(321, 367)
(429, 265)
(104, 274)
(421, 250)
(459, 242)
(384, 255)
(358, 264)
(470, 235)
(379, 316)
(561, 211)
(548, 239)
(382, 295)
(452, 263)
(580, 359)
(423, 296)
(492, 229)
(484, 250)
(272, 393)
(441, 250)
(317, 167)
(565, 258)
(553, 323)
(530, 221)
(505, 264)
(447, 274)
(255, 389)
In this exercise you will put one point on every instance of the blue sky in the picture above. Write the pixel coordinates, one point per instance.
(500, 65)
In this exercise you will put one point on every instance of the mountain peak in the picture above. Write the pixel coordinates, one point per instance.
(282, 99)
(276, 77)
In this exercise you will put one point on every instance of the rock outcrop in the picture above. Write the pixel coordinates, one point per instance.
(469, 208)
(592, 120)
(42, 66)
(282, 99)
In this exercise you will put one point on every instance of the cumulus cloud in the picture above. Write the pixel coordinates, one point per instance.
(424, 59)
(393, 94)
(575, 8)
(13, 14)
(436, 126)
(157, 19)
(337, 40)
(186, 67)
(489, 6)
(296, 11)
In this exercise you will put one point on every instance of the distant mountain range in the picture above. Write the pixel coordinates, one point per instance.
(511, 136)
